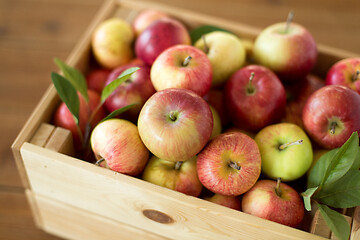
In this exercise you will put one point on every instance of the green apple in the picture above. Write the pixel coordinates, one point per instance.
(217, 123)
(226, 53)
(178, 176)
(286, 151)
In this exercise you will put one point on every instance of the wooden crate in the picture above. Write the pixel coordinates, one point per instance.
(78, 200)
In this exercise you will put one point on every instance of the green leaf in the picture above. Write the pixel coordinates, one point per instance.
(342, 161)
(307, 197)
(75, 77)
(108, 89)
(344, 193)
(317, 173)
(356, 164)
(118, 112)
(196, 33)
(67, 94)
(336, 222)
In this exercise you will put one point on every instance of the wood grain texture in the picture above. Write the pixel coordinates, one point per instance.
(33, 32)
(123, 199)
(59, 219)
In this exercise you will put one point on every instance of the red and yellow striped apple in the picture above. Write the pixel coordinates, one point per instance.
(175, 124)
(182, 66)
(230, 164)
(118, 142)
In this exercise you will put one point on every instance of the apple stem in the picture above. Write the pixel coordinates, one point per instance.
(206, 47)
(289, 20)
(250, 86)
(178, 165)
(278, 189)
(99, 161)
(186, 61)
(172, 116)
(285, 145)
(333, 127)
(234, 165)
(355, 76)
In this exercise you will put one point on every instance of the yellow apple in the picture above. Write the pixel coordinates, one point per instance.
(111, 43)
(226, 53)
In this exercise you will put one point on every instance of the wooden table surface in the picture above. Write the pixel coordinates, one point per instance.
(33, 32)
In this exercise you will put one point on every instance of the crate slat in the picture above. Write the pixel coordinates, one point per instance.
(123, 198)
(73, 223)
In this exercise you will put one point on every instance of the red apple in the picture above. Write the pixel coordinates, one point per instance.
(254, 97)
(226, 201)
(146, 18)
(230, 164)
(160, 35)
(288, 49)
(216, 99)
(275, 202)
(298, 94)
(96, 79)
(345, 72)
(119, 143)
(64, 118)
(137, 89)
(178, 176)
(182, 66)
(175, 124)
(331, 115)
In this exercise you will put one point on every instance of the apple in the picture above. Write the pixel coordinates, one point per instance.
(298, 94)
(175, 124)
(345, 72)
(96, 79)
(286, 151)
(182, 66)
(230, 164)
(145, 18)
(288, 49)
(331, 115)
(178, 176)
(216, 123)
(217, 45)
(136, 89)
(111, 43)
(157, 37)
(255, 98)
(215, 98)
(274, 201)
(63, 117)
(226, 201)
(119, 143)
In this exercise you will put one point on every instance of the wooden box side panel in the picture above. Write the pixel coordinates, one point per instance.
(124, 199)
(72, 223)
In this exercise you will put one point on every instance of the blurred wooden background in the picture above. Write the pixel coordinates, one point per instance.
(33, 32)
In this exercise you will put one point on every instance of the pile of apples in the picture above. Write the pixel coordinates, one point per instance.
(221, 112)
